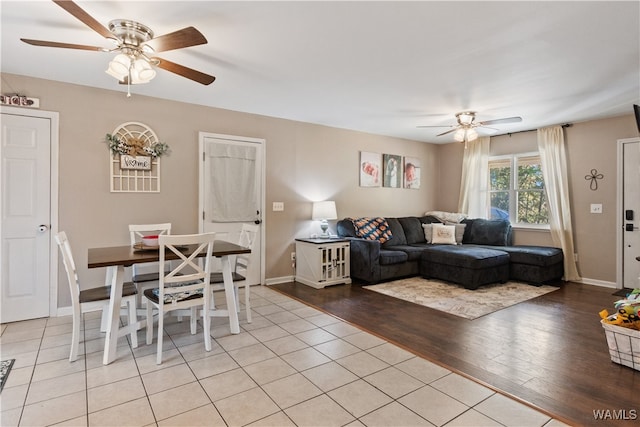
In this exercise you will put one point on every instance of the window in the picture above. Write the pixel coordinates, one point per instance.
(516, 189)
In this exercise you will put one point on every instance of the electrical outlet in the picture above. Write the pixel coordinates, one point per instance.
(575, 257)
(293, 256)
(596, 208)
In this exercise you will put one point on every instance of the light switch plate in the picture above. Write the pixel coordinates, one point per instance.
(278, 206)
(596, 208)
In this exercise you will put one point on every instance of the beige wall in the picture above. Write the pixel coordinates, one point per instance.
(589, 145)
(304, 162)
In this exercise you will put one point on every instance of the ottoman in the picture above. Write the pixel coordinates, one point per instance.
(535, 265)
(468, 266)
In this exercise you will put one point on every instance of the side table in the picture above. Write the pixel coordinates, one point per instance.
(322, 262)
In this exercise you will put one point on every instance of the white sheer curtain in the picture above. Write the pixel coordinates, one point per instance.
(475, 179)
(554, 170)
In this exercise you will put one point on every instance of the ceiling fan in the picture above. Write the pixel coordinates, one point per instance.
(465, 129)
(135, 44)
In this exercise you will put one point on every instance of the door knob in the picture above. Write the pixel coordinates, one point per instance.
(42, 228)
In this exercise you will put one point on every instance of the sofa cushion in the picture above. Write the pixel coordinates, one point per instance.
(494, 232)
(388, 257)
(470, 257)
(413, 252)
(412, 229)
(346, 228)
(397, 236)
(542, 256)
(372, 229)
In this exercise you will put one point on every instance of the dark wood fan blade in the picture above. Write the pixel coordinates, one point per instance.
(449, 131)
(501, 121)
(62, 45)
(84, 17)
(185, 37)
(183, 71)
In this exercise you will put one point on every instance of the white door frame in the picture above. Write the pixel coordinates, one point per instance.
(619, 212)
(54, 119)
(231, 138)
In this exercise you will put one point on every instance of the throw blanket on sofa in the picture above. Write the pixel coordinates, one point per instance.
(448, 217)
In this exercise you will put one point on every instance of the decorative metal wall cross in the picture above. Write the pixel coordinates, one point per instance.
(594, 177)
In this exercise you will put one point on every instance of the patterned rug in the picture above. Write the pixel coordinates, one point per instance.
(5, 368)
(457, 300)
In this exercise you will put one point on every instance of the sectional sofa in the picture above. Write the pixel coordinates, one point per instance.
(473, 252)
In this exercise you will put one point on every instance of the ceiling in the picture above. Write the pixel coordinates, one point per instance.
(383, 67)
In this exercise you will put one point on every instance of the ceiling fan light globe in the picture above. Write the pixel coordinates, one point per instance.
(466, 118)
(472, 135)
(119, 66)
(459, 135)
(143, 70)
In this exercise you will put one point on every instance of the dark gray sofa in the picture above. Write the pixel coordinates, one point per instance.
(486, 254)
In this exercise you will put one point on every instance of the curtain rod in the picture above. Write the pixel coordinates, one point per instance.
(566, 125)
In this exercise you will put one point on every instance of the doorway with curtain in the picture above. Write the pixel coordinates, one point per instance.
(232, 192)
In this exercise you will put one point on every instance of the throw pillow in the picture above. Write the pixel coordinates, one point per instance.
(373, 229)
(428, 232)
(444, 234)
(460, 232)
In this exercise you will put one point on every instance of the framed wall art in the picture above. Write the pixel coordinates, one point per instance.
(392, 168)
(370, 169)
(411, 172)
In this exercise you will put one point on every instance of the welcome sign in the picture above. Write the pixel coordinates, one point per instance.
(135, 162)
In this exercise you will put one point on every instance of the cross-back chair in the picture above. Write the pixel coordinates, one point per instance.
(146, 275)
(184, 286)
(83, 300)
(246, 238)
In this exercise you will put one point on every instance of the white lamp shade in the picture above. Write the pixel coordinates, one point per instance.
(324, 210)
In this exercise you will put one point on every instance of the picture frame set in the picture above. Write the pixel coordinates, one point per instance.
(389, 170)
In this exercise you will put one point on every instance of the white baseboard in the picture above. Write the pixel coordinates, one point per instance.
(68, 311)
(278, 280)
(602, 283)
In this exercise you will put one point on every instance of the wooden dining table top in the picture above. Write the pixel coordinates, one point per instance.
(129, 255)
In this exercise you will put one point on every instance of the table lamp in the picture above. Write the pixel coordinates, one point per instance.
(323, 211)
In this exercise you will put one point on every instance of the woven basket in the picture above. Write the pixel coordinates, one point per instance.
(624, 345)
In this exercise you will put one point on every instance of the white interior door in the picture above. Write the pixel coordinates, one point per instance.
(631, 213)
(232, 192)
(25, 236)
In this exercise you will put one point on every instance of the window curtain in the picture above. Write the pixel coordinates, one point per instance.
(475, 179)
(554, 170)
(233, 183)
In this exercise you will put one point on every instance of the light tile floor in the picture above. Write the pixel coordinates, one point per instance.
(292, 366)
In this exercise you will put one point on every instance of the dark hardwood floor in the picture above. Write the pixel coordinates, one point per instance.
(549, 352)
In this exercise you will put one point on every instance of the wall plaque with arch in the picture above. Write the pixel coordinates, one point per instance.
(135, 173)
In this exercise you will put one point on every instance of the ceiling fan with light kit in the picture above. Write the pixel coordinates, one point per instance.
(135, 46)
(465, 130)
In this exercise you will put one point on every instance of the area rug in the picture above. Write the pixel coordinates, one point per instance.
(5, 368)
(455, 299)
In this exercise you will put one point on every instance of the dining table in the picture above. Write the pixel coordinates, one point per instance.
(117, 258)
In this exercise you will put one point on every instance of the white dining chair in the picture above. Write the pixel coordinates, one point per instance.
(83, 300)
(185, 286)
(246, 238)
(146, 275)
